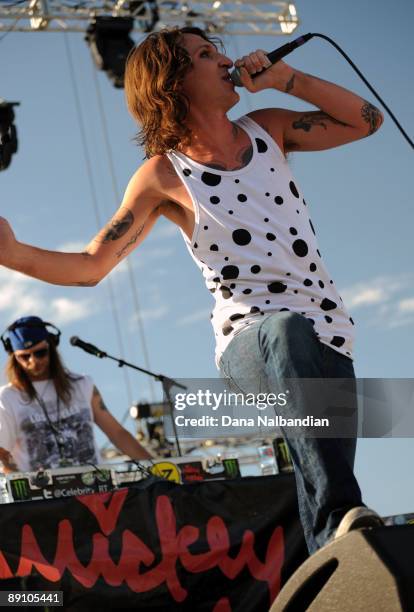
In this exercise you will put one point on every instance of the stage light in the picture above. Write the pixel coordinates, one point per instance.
(109, 41)
(8, 133)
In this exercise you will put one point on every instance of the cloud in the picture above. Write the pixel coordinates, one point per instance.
(149, 314)
(22, 295)
(195, 317)
(382, 297)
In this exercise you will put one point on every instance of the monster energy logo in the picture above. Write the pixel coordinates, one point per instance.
(20, 489)
(231, 468)
(283, 454)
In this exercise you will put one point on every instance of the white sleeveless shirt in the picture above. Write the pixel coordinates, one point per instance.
(255, 245)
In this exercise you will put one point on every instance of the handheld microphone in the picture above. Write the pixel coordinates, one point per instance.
(89, 348)
(274, 56)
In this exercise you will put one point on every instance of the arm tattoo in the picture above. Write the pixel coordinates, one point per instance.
(98, 396)
(88, 283)
(131, 241)
(372, 116)
(319, 118)
(117, 227)
(290, 84)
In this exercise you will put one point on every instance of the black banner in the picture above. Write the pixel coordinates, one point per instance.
(223, 546)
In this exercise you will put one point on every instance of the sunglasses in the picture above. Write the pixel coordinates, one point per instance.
(39, 354)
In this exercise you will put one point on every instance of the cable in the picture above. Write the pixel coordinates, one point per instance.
(372, 90)
(96, 209)
(10, 29)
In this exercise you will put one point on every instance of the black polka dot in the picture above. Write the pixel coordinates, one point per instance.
(297, 211)
(267, 301)
(230, 212)
(227, 329)
(293, 231)
(255, 269)
(331, 282)
(206, 227)
(266, 220)
(312, 299)
(304, 203)
(338, 341)
(307, 282)
(267, 194)
(216, 279)
(270, 236)
(230, 272)
(214, 200)
(272, 169)
(236, 316)
(261, 145)
(269, 254)
(242, 197)
(247, 291)
(352, 321)
(327, 304)
(278, 200)
(214, 247)
(317, 250)
(233, 286)
(321, 284)
(293, 189)
(328, 319)
(195, 245)
(312, 267)
(226, 259)
(312, 228)
(284, 310)
(300, 248)
(225, 292)
(236, 181)
(277, 287)
(186, 171)
(211, 179)
(254, 309)
(241, 237)
(295, 291)
(287, 273)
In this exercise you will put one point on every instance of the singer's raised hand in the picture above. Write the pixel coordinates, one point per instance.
(257, 72)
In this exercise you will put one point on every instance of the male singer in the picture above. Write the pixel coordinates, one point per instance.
(228, 187)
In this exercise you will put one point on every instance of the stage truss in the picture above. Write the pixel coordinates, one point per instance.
(238, 17)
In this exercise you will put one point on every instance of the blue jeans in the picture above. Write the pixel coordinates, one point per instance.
(282, 346)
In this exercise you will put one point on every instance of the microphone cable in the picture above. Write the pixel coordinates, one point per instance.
(372, 90)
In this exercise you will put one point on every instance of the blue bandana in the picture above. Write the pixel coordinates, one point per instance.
(30, 331)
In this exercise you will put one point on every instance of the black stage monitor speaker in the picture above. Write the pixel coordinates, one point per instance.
(367, 570)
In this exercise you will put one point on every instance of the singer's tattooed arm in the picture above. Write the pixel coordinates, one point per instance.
(117, 227)
(131, 241)
(372, 116)
(341, 116)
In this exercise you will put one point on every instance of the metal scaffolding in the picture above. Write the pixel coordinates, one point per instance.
(238, 17)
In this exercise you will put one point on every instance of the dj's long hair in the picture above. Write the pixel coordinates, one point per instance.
(61, 377)
(154, 74)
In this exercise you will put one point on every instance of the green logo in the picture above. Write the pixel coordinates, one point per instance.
(20, 489)
(231, 468)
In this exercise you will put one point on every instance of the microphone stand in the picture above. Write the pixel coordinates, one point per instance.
(166, 382)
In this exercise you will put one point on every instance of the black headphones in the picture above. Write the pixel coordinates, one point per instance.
(53, 338)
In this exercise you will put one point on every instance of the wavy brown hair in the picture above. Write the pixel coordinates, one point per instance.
(62, 379)
(154, 74)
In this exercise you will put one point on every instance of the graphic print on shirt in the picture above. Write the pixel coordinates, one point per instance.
(256, 245)
(75, 429)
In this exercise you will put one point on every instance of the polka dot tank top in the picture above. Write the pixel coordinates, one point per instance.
(255, 245)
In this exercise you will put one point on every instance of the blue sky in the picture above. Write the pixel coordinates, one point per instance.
(360, 198)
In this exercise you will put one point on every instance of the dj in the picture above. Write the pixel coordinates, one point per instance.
(47, 412)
